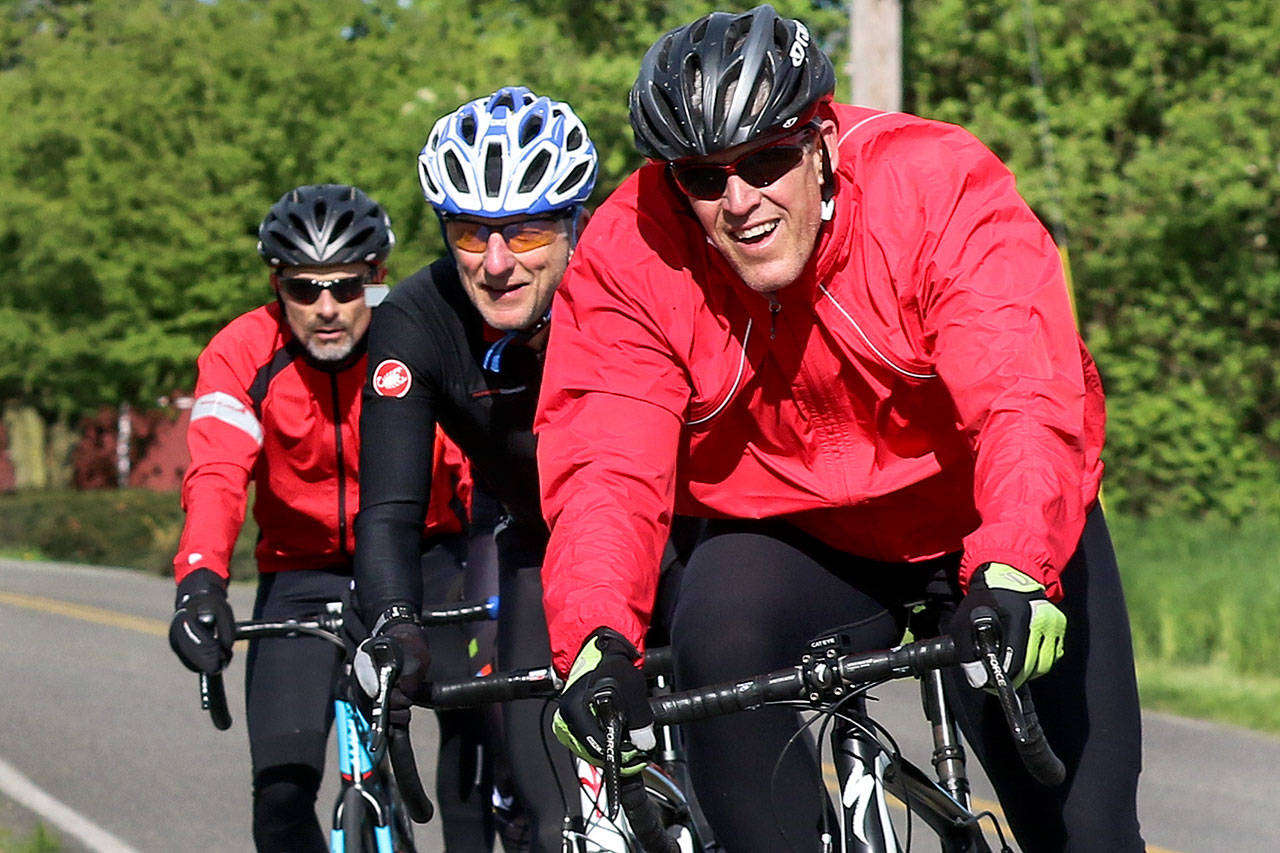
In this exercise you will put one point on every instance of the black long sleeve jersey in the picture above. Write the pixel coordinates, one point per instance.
(427, 350)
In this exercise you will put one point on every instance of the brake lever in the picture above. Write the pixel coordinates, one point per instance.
(384, 657)
(213, 693)
(611, 720)
(986, 635)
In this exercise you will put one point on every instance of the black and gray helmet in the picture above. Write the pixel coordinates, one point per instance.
(325, 224)
(726, 79)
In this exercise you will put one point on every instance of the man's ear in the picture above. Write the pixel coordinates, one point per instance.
(576, 227)
(828, 138)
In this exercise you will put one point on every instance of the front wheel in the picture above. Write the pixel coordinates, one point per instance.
(674, 815)
(357, 823)
(675, 811)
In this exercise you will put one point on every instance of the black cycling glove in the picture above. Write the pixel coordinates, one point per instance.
(1032, 627)
(203, 628)
(606, 663)
(400, 625)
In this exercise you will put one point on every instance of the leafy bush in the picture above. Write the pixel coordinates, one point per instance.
(133, 528)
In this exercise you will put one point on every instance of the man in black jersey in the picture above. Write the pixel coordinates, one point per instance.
(459, 343)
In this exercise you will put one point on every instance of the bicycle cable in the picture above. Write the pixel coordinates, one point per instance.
(544, 726)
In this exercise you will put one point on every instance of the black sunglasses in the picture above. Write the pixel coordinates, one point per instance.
(305, 291)
(760, 168)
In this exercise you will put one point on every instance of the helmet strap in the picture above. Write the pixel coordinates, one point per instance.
(828, 183)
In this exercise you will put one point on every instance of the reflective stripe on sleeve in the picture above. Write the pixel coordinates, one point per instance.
(229, 410)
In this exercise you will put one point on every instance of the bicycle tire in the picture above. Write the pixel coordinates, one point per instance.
(674, 810)
(357, 823)
(670, 809)
(401, 825)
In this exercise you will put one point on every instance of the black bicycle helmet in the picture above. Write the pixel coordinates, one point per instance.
(726, 79)
(325, 224)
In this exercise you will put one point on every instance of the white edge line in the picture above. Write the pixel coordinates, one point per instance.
(66, 819)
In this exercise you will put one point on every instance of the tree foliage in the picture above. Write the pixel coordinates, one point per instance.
(145, 139)
(1165, 129)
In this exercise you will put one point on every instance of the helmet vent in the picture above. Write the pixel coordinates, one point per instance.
(781, 37)
(457, 175)
(533, 175)
(530, 129)
(574, 142)
(320, 210)
(736, 35)
(692, 79)
(285, 241)
(467, 129)
(663, 59)
(365, 234)
(492, 170)
(504, 99)
(344, 222)
(573, 177)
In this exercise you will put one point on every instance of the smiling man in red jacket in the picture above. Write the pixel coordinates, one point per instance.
(842, 336)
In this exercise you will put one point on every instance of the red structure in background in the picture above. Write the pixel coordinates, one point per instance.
(157, 449)
(8, 481)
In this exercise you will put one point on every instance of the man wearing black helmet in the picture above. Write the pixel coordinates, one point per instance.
(842, 336)
(277, 402)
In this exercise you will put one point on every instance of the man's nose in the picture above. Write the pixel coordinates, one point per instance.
(739, 196)
(498, 257)
(326, 305)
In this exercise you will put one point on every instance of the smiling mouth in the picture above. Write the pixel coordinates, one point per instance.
(756, 233)
(499, 292)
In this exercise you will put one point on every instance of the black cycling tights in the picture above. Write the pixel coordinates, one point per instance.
(755, 593)
(289, 711)
(543, 788)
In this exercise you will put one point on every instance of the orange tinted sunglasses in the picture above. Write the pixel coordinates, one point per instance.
(468, 235)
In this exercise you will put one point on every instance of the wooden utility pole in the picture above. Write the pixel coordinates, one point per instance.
(875, 57)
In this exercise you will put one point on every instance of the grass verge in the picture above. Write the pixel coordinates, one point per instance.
(1209, 692)
(38, 841)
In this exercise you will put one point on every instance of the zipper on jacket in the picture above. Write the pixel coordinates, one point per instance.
(342, 468)
(774, 307)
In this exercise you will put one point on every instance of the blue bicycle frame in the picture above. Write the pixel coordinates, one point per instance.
(356, 766)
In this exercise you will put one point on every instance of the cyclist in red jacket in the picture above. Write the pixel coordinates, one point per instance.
(277, 404)
(842, 336)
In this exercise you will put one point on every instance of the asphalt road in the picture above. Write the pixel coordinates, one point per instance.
(102, 738)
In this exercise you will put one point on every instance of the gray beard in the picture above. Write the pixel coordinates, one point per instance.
(330, 352)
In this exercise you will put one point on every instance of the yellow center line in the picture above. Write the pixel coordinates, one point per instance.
(87, 613)
(160, 628)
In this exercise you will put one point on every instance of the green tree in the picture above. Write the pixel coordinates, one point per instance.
(1165, 120)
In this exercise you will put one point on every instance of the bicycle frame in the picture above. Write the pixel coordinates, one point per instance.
(355, 763)
(866, 774)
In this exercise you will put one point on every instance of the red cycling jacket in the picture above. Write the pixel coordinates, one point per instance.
(919, 390)
(264, 413)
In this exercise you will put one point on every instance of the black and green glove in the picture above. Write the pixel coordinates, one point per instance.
(606, 666)
(1032, 627)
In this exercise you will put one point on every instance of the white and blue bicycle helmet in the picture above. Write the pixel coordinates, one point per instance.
(512, 152)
